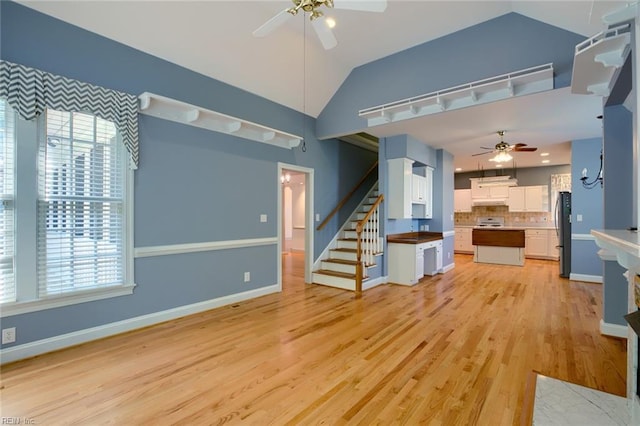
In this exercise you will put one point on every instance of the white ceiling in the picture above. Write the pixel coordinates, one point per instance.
(214, 38)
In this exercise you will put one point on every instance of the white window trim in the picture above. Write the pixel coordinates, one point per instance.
(16, 308)
(25, 272)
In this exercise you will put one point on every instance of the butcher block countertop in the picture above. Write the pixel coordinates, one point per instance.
(414, 237)
(498, 237)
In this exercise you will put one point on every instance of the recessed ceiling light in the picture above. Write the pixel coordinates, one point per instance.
(331, 23)
(458, 169)
(498, 166)
(545, 161)
(544, 154)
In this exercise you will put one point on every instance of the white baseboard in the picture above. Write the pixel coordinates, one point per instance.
(374, 282)
(447, 268)
(587, 278)
(40, 347)
(614, 330)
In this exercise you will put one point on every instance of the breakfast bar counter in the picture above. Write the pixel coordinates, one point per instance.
(499, 245)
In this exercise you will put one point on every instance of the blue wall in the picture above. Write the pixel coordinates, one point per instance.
(508, 43)
(192, 185)
(585, 153)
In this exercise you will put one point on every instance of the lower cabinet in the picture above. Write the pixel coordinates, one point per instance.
(408, 263)
(541, 244)
(462, 240)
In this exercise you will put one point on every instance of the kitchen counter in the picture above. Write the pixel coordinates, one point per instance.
(499, 245)
(412, 255)
(414, 237)
(499, 237)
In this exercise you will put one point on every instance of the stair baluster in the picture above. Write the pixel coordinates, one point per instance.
(367, 245)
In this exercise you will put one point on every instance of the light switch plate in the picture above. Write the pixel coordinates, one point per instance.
(579, 217)
(263, 218)
(317, 217)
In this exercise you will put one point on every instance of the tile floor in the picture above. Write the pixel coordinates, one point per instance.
(565, 404)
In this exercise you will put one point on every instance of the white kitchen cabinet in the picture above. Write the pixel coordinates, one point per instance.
(552, 244)
(462, 200)
(488, 189)
(529, 198)
(400, 171)
(463, 240)
(419, 265)
(516, 200)
(418, 189)
(410, 190)
(408, 263)
(541, 244)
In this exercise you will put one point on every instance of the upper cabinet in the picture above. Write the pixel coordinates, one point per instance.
(491, 190)
(462, 200)
(410, 190)
(529, 198)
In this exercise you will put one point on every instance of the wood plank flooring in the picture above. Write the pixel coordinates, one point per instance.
(456, 349)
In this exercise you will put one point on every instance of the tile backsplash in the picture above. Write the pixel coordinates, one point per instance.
(510, 218)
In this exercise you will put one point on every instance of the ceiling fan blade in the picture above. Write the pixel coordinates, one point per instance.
(516, 146)
(272, 23)
(523, 149)
(325, 34)
(363, 5)
(482, 153)
(484, 147)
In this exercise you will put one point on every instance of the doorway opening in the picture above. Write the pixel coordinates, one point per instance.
(295, 225)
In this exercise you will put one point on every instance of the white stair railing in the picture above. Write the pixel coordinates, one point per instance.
(368, 241)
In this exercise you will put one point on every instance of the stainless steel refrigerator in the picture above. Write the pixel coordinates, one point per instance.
(563, 230)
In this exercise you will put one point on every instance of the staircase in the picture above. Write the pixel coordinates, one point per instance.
(340, 267)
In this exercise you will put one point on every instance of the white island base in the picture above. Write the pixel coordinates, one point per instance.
(499, 255)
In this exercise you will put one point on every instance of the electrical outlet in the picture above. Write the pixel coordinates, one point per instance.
(9, 335)
(448, 255)
(317, 217)
(579, 217)
(263, 218)
(247, 277)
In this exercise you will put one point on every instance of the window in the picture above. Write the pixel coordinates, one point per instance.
(80, 208)
(7, 177)
(66, 190)
(81, 202)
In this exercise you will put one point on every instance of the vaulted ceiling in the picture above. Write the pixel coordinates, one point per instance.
(290, 67)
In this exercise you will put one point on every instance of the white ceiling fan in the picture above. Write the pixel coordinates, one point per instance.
(317, 18)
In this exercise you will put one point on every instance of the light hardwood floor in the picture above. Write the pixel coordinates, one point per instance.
(456, 349)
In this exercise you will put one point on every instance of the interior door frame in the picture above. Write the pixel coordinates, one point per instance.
(308, 220)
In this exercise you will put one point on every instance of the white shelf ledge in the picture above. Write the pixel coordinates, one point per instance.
(597, 58)
(181, 112)
(517, 83)
(625, 245)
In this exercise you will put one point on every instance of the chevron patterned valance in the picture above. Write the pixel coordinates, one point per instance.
(30, 91)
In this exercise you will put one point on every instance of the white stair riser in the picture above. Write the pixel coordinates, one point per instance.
(347, 244)
(350, 234)
(342, 255)
(339, 267)
(330, 280)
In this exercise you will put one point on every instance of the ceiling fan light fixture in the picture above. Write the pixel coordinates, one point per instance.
(501, 157)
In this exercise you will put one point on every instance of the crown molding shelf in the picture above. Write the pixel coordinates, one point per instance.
(184, 113)
(517, 83)
(596, 60)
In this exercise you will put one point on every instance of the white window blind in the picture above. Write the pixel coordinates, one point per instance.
(7, 177)
(81, 204)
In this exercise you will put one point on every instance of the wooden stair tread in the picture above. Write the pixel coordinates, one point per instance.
(338, 274)
(347, 250)
(341, 261)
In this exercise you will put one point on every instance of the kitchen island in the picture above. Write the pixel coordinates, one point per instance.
(412, 255)
(501, 245)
